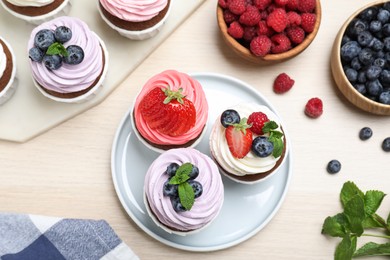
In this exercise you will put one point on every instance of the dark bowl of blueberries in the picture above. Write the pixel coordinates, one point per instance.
(360, 59)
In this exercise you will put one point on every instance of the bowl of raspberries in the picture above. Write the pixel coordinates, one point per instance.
(268, 31)
(360, 59)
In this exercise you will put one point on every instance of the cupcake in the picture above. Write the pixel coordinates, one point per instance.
(248, 143)
(36, 11)
(183, 191)
(170, 111)
(7, 71)
(68, 61)
(135, 19)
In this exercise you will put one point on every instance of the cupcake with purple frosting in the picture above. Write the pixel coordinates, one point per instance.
(183, 191)
(68, 61)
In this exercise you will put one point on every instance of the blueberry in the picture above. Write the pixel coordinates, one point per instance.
(361, 88)
(366, 56)
(170, 190)
(177, 206)
(75, 55)
(171, 169)
(369, 13)
(379, 62)
(375, 26)
(361, 78)
(385, 77)
(356, 26)
(365, 133)
(63, 34)
(230, 117)
(44, 38)
(376, 44)
(383, 16)
(194, 172)
(334, 166)
(374, 88)
(262, 147)
(384, 97)
(355, 64)
(373, 72)
(386, 144)
(350, 50)
(52, 62)
(345, 39)
(197, 187)
(36, 54)
(364, 38)
(386, 43)
(380, 55)
(351, 74)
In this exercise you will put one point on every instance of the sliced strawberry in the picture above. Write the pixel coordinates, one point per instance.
(239, 139)
(151, 104)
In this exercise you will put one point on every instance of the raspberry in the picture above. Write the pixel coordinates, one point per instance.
(294, 19)
(262, 4)
(277, 20)
(237, 6)
(229, 17)
(235, 30)
(292, 5)
(263, 15)
(271, 8)
(281, 3)
(263, 29)
(306, 6)
(251, 16)
(280, 43)
(295, 34)
(249, 2)
(250, 32)
(257, 120)
(283, 83)
(308, 22)
(261, 45)
(223, 3)
(314, 108)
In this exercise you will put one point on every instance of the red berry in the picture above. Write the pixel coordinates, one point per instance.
(295, 34)
(280, 43)
(314, 108)
(251, 16)
(294, 19)
(262, 4)
(281, 3)
(239, 139)
(250, 32)
(223, 3)
(235, 30)
(277, 20)
(306, 6)
(229, 17)
(292, 5)
(237, 6)
(260, 45)
(257, 120)
(264, 29)
(283, 83)
(308, 22)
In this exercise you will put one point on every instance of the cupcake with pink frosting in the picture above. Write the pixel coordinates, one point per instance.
(170, 111)
(68, 61)
(135, 19)
(183, 191)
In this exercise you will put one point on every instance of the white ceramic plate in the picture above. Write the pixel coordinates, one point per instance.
(247, 208)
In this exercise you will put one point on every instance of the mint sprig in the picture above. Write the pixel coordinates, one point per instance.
(57, 49)
(186, 192)
(359, 214)
(275, 137)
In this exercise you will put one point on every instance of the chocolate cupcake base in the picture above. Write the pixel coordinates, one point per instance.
(34, 11)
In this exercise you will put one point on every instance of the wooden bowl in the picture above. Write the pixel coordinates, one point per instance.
(270, 58)
(341, 80)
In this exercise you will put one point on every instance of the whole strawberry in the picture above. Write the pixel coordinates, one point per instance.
(257, 121)
(283, 83)
(239, 138)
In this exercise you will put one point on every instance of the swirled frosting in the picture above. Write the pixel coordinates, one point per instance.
(70, 78)
(134, 10)
(193, 92)
(3, 61)
(250, 164)
(205, 208)
(30, 3)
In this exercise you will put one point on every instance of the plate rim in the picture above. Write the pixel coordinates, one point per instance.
(165, 241)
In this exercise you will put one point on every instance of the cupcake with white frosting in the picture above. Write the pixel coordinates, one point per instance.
(7, 71)
(37, 11)
(135, 19)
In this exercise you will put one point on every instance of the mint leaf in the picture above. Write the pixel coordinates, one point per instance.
(373, 249)
(186, 195)
(276, 134)
(182, 174)
(346, 248)
(334, 226)
(270, 125)
(371, 222)
(348, 191)
(278, 147)
(372, 201)
(354, 211)
(57, 49)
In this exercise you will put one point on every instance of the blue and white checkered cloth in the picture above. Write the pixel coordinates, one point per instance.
(24, 237)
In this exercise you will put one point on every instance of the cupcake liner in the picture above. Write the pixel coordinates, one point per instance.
(62, 10)
(90, 94)
(137, 35)
(10, 89)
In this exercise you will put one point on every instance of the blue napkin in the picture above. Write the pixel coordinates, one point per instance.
(24, 237)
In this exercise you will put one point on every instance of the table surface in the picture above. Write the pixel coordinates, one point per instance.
(67, 171)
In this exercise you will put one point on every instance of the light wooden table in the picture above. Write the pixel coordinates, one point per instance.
(66, 171)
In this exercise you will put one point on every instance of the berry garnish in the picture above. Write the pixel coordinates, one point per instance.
(230, 117)
(170, 190)
(36, 54)
(386, 144)
(334, 166)
(257, 121)
(365, 133)
(75, 55)
(177, 205)
(197, 187)
(194, 172)
(283, 83)
(239, 138)
(44, 38)
(52, 62)
(63, 34)
(314, 108)
(261, 146)
(171, 169)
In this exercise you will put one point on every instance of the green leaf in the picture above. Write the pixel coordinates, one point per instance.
(373, 249)
(354, 211)
(278, 147)
(57, 49)
(346, 248)
(372, 201)
(334, 226)
(276, 134)
(186, 195)
(371, 222)
(388, 220)
(182, 174)
(270, 125)
(348, 191)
